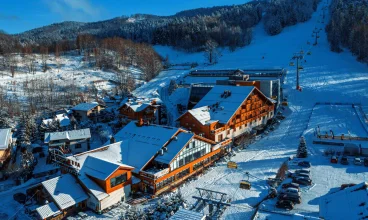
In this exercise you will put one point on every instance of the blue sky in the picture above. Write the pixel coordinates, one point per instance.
(20, 15)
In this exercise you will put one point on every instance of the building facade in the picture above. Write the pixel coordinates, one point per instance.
(85, 111)
(74, 141)
(140, 108)
(5, 145)
(227, 112)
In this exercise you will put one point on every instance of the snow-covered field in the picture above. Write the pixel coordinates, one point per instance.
(64, 71)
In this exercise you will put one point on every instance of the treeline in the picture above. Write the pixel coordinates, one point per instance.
(283, 13)
(228, 27)
(115, 52)
(348, 27)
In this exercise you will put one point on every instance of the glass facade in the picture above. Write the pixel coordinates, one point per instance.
(192, 151)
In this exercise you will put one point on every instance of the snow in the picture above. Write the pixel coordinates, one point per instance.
(202, 114)
(227, 105)
(68, 135)
(48, 210)
(5, 135)
(98, 168)
(350, 203)
(341, 119)
(174, 147)
(187, 214)
(62, 118)
(84, 106)
(327, 77)
(95, 189)
(65, 191)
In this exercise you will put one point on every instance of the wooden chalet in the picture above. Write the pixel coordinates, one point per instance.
(227, 112)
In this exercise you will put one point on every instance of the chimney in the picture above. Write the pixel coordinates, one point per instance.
(112, 140)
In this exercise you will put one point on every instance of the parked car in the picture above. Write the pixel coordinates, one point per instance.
(302, 181)
(366, 161)
(358, 161)
(334, 159)
(296, 175)
(292, 191)
(294, 198)
(304, 164)
(344, 160)
(290, 185)
(305, 171)
(343, 186)
(285, 204)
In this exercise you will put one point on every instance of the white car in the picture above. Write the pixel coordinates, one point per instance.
(358, 161)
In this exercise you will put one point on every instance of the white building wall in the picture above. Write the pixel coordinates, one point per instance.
(113, 198)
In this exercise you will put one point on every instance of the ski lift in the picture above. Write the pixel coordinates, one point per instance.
(309, 53)
(302, 52)
(245, 185)
(301, 68)
(291, 64)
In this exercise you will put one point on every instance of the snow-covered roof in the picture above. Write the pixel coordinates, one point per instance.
(187, 214)
(65, 191)
(138, 104)
(5, 135)
(99, 168)
(62, 118)
(202, 114)
(174, 147)
(68, 135)
(95, 189)
(48, 210)
(349, 203)
(221, 107)
(85, 106)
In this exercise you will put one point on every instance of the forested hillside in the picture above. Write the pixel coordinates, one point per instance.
(283, 13)
(348, 27)
(227, 26)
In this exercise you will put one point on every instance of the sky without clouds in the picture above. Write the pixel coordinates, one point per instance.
(20, 15)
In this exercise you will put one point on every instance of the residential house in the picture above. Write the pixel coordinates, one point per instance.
(64, 197)
(140, 108)
(74, 141)
(227, 112)
(85, 111)
(5, 145)
(348, 203)
(162, 157)
(63, 120)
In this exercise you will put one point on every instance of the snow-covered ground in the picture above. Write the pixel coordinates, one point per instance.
(64, 71)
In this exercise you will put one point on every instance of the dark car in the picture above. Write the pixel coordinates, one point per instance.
(285, 204)
(344, 160)
(346, 185)
(302, 181)
(366, 161)
(305, 164)
(291, 197)
(290, 185)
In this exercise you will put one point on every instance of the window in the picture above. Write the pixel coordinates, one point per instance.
(78, 146)
(118, 180)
